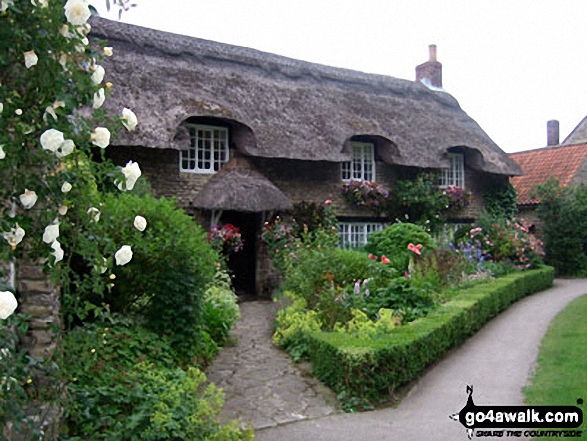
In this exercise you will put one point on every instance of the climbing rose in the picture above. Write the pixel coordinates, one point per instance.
(98, 74)
(66, 187)
(4, 4)
(14, 236)
(28, 199)
(385, 260)
(95, 213)
(63, 210)
(131, 172)
(57, 251)
(30, 59)
(77, 12)
(415, 248)
(123, 255)
(2, 153)
(140, 223)
(129, 119)
(51, 233)
(101, 137)
(65, 149)
(99, 98)
(52, 139)
(8, 304)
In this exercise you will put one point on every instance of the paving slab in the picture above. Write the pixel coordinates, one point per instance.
(497, 361)
(261, 384)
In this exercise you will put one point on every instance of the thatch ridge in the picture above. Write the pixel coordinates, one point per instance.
(295, 109)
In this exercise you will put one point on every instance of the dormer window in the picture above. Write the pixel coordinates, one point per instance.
(454, 176)
(362, 165)
(208, 149)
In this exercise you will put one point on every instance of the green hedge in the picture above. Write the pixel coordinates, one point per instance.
(364, 372)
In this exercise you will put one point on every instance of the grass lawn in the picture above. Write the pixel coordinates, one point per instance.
(561, 374)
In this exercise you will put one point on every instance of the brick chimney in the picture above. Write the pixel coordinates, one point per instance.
(552, 133)
(430, 73)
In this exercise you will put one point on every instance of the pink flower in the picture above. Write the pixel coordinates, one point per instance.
(385, 260)
(415, 248)
(328, 202)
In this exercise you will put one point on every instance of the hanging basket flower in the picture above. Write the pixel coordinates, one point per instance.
(226, 239)
(458, 198)
(366, 194)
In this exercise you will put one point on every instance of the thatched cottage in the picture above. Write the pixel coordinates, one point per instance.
(236, 134)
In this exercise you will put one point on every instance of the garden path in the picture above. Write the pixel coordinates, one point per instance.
(497, 361)
(260, 383)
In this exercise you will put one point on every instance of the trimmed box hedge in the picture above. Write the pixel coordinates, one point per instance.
(363, 372)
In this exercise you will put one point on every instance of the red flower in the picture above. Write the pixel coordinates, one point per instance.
(385, 260)
(415, 248)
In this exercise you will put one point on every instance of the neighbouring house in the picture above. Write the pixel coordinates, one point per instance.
(236, 134)
(566, 162)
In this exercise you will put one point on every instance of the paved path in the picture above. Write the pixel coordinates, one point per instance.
(260, 383)
(497, 361)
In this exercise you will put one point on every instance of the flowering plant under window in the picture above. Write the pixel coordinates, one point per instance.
(226, 239)
(366, 194)
(458, 198)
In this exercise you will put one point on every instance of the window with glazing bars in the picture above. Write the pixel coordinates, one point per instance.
(454, 176)
(355, 234)
(208, 149)
(362, 165)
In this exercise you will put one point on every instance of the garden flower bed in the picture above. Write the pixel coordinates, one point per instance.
(365, 370)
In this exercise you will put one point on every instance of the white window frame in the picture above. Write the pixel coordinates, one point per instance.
(217, 148)
(454, 176)
(355, 234)
(362, 165)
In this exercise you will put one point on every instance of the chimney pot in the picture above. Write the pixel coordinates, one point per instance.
(552, 133)
(432, 51)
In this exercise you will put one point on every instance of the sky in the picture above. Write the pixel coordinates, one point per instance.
(512, 64)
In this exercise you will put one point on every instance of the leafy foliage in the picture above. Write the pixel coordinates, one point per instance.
(501, 202)
(220, 308)
(124, 385)
(393, 242)
(563, 213)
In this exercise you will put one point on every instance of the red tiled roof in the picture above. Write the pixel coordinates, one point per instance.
(560, 162)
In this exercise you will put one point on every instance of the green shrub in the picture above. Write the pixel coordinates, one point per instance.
(563, 213)
(393, 242)
(220, 308)
(364, 370)
(164, 282)
(123, 385)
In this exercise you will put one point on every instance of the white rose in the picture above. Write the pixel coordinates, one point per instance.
(51, 111)
(123, 255)
(129, 119)
(108, 51)
(1, 107)
(77, 12)
(64, 31)
(2, 153)
(8, 304)
(51, 233)
(66, 187)
(131, 172)
(95, 213)
(102, 268)
(52, 139)
(14, 236)
(28, 199)
(99, 98)
(101, 137)
(4, 4)
(140, 223)
(63, 210)
(98, 74)
(57, 251)
(65, 149)
(30, 59)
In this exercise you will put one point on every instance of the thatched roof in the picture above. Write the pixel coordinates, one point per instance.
(292, 109)
(237, 186)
